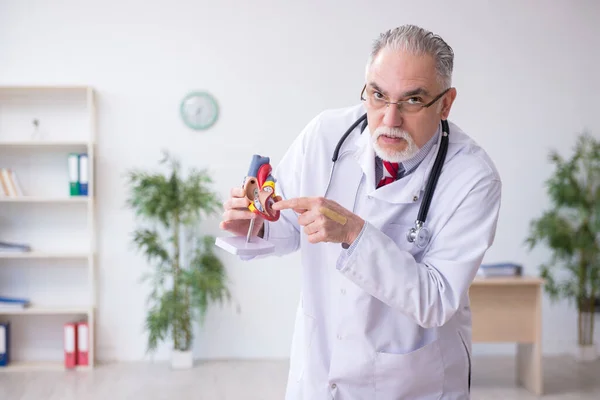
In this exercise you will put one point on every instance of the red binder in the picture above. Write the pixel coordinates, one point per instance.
(83, 343)
(70, 341)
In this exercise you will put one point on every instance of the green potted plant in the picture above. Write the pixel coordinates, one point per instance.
(570, 228)
(187, 276)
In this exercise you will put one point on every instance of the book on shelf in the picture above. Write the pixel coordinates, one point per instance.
(78, 174)
(4, 343)
(13, 303)
(83, 339)
(500, 269)
(76, 344)
(9, 184)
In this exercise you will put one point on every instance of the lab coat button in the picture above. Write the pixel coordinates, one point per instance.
(333, 385)
(343, 291)
(339, 337)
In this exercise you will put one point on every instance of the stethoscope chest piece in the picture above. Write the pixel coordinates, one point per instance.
(419, 235)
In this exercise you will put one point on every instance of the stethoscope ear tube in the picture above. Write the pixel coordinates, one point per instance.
(336, 152)
(435, 173)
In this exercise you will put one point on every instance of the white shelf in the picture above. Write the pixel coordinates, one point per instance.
(45, 199)
(44, 88)
(26, 366)
(45, 144)
(40, 310)
(44, 255)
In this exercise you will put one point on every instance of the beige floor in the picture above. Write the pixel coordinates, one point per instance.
(246, 380)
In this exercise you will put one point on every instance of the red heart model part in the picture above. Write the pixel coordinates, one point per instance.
(261, 196)
(267, 199)
(263, 173)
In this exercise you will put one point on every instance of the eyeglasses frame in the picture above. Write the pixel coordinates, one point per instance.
(399, 103)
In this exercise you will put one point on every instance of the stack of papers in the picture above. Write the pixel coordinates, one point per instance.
(500, 269)
(13, 303)
(6, 247)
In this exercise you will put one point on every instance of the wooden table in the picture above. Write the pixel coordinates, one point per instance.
(509, 309)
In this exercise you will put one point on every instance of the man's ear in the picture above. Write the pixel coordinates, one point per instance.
(446, 103)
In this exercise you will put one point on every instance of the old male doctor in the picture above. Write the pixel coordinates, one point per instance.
(382, 318)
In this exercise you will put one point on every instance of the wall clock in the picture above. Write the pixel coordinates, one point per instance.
(199, 110)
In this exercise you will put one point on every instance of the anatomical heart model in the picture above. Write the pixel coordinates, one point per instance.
(259, 186)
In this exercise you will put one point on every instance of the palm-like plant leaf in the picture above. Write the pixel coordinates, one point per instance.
(571, 229)
(170, 206)
(207, 277)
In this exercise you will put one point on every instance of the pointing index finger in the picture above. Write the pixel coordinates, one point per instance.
(296, 203)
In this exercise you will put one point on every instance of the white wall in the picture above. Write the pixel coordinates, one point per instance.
(527, 81)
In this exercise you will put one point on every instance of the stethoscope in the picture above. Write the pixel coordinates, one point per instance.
(419, 234)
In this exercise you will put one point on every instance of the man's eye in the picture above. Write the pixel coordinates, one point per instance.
(378, 95)
(414, 100)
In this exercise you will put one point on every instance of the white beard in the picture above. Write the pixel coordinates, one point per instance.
(390, 155)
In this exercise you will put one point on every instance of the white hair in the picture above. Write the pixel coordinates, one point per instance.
(418, 41)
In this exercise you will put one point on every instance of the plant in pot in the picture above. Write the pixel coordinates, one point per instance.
(187, 276)
(570, 228)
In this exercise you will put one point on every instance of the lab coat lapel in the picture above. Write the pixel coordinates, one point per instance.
(348, 173)
(365, 156)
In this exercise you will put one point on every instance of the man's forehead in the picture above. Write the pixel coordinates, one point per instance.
(397, 73)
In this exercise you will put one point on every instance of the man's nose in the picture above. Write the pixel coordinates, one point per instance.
(392, 116)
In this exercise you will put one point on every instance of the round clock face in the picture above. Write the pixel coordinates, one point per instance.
(199, 110)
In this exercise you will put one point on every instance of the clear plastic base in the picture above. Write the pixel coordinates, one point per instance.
(237, 245)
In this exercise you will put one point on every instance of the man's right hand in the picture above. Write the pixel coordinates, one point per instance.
(237, 216)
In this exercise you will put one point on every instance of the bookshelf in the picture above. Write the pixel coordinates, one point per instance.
(44, 255)
(40, 128)
(41, 199)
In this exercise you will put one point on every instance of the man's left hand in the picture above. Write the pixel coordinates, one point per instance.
(324, 220)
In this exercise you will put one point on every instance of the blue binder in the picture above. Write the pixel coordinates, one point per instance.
(4, 344)
(83, 174)
(13, 302)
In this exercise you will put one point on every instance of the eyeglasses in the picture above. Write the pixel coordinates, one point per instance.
(377, 101)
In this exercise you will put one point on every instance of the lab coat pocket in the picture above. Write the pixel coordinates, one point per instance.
(468, 359)
(415, 375)
(302, 348)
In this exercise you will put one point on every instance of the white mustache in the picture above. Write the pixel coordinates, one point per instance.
(392, 132)
(394, 156)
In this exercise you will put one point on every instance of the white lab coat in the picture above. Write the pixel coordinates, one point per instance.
(388, 321)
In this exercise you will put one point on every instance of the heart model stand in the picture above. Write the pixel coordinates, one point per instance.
(259, 187)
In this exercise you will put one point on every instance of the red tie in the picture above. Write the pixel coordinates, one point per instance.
(390, 173)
